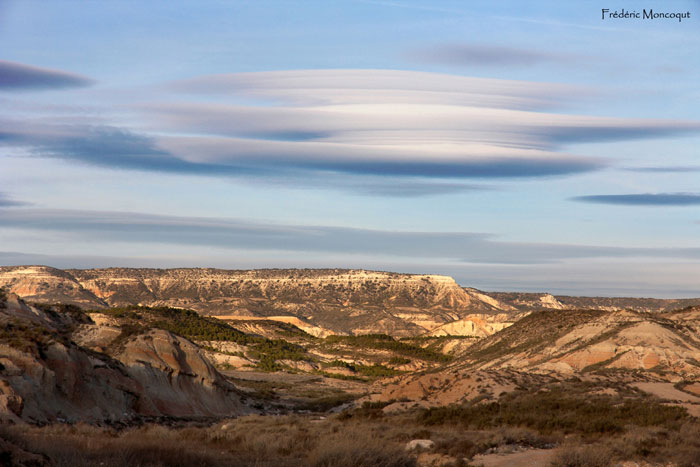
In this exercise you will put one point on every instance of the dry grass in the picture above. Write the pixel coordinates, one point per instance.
(583, 456)
(248, 441)
(561, 408)
(335, 441)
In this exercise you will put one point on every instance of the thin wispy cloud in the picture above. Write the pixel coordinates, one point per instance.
(366, 86)
(241, 234)
(366, 185)
(665, 169)
(6, 201)
(644, 199)
(487, 55)
(18, 76)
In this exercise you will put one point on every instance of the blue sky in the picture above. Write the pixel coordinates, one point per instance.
(515, 146)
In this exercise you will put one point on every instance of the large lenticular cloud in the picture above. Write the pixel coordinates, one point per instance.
(342, 123)
(388, 122)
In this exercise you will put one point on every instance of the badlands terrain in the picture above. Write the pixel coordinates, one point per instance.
(337, 368)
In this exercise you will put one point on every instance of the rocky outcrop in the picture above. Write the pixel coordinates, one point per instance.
(47, 285)
(45, 376)
(476, 325)
(177, 377)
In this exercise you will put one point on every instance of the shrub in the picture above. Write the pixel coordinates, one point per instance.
(399, 361)
(359, 454)
(385, 342)
(559, 410)
(582, 456)
(376, 371)
(28, 337)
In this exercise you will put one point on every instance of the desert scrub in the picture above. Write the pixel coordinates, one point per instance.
(368, 371)
(354, 455)
(368, 410)
(557, 410)
(337, 364)
(399, 361)
(340, 376)
(190, 325)
(279, 349)
(533, 332)
(327, 402)
(376, 371)
(252, 441)
(385, 342)
(68, 315)
(28, 337)
(185, 323)
(583, 456)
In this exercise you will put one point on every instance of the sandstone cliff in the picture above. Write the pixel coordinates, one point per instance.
(327, 300)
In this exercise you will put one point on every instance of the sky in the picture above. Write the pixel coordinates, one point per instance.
(516, 146)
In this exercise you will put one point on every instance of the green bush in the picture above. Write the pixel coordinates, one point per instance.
(385, 342)
(376, 371)
(371, 371)
(399, 361)
(339, 364)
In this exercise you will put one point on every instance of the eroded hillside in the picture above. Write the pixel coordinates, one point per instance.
(47, 374)
(326, 301)
(608, 348)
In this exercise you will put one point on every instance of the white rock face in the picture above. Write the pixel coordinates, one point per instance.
(419, 444)
(548, 301)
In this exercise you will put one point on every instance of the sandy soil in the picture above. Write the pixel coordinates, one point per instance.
(529, 458)
(298, 382)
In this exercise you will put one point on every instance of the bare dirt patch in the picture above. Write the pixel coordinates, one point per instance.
(527, 458)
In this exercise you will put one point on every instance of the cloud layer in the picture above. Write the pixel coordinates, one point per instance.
(314, 124)
(466, 247)
(665, 169)
(17, 76)
(644, 199)
(6, 201)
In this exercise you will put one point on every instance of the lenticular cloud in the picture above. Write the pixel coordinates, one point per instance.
(334, 124)
(387, 122)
